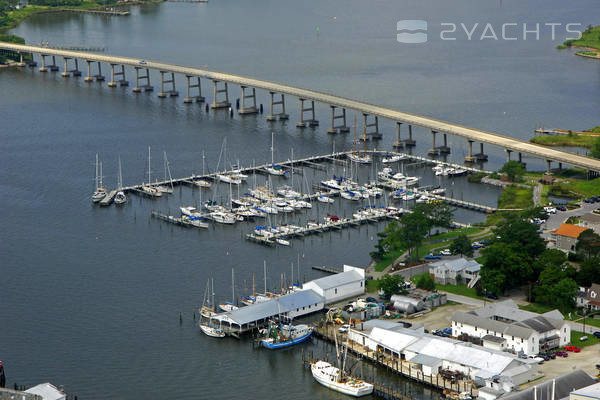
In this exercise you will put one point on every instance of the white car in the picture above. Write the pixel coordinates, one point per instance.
(550, 210)
(445, 252)
(344, 328)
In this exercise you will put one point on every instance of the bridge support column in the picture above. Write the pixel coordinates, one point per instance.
(90, 78)
(21, 62)
(43, 68)
(312, 122)
(220, 104)
(122, 81)
(560, 166)
(53, 67)
(398, 143)
(445, 149)
(481, 156)
(252, 108)
(139, 88)
(66, 73)
(470, 158)
(343, 128)
(410, 142)
(282, 115)
(508, 154)
(189, 98)
(548, 166)
(375, 124)
(164, 93)
(76, 71)
(433, 151)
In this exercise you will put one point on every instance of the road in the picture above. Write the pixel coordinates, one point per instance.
(394, 115)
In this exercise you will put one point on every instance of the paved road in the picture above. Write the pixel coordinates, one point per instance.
(394, 115)
(555, 220)
(464, 299)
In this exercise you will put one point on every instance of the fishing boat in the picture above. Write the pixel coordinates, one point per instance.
(100, 192)
(279, 336)
(212, 331)
(208, 303)
(274, 169)
(229, 305)
(336, 379)
(393, 158)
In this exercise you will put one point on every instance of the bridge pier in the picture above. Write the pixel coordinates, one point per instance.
(76, 71)
(139, 88)
(399, 143)
(220, 104)
(251, 109)
(409, 142)
(21, 62)
(375, 124)
(282, 115)
(548, 166)
(66, 73)
(43, 68)
(53, 67)
(122, 81)
(90, 78)
(444, 149)
(470, 158)
(481, 156)
(508, 154)
(343, 128)
(520, 158)
(164, 93)
(433, 151)
(312, 122)
(189, 98)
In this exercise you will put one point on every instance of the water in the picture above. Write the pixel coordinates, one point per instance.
(91, 297)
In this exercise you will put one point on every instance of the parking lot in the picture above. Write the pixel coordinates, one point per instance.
(440, 317)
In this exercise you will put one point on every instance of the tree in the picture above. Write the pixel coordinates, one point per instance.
(595, 149)
(424, 281)
(556, 287)
(505, 267)
(549, 257)
(589, 272)
(522, 234)
(588, 243)
(410, 235)
(438, 213)
(514, 170)
(391, 284)
(462, 245)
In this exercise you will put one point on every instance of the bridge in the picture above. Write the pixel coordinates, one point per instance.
(307, 99)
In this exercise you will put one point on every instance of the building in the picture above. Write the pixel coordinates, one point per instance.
(592, 298)
(553, 389)
(433, 353)
(340, 286)
(503, 326)
(47, 391)
(590, 221)
(565, 237)
(450, 272)
(591, 392)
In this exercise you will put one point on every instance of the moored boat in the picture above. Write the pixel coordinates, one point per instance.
(212, 331)
(331, 377)
(280, 336)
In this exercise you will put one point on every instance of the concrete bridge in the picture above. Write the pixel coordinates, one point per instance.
(307, 98)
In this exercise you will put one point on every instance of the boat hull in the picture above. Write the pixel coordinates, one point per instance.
(345, 388)
(287, 343)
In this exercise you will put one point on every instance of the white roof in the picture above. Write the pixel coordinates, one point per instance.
(337, 280)
(589, 391)
(48, 391)
(458, 264)
(394, 340)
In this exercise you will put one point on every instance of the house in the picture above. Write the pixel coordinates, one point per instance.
(450, 272)
(582, 297)
(432, 353)
(566, 236)
(593, 297)
(503, 326)
(558, 388)
(591, 392)
(590, 221)
(340, 286)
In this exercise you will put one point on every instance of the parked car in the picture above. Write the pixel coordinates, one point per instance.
(445, 252)
(574, 349)
(561, 208)
(344, 328)
(371, 300)
(561, 353)
(432, 257)
(550, 210)
(597, 334)
(492, 296)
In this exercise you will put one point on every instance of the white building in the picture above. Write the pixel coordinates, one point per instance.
(433, 353)
(340, 286)
(503, 326)
(47, 391)
(591, 392)
(450, 272)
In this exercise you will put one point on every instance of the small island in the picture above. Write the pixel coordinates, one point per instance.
(589, 43)
(589, 139)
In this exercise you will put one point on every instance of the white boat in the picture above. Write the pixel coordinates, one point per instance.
(274, 169)
(423, 199)
(458, 171)
(208, 302)
(262, 193)
(228, 307)
(190, 211)
(302, 204)
(168, 189)
(229, 179)
(100, 192)
(223, 217)
(360, 158)
(287, 192)
(325, 199)
(203, 183)
(392, 158)
(282, 242)
(194, 221)
(407, 196)
(335, 183)
(120, 197)
(350, 195)
(439, 191)
(151, 191)
(330, 377)
(283, 206)
(266, 208)
(212, 331)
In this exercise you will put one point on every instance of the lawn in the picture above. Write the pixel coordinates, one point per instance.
(576, 188)
(461, 290)
(589, 38)
(469, 231)
(565, 140)
(387, 260)
(591, 340)
(515, 197)
(537, 308)
(590, 321)
(371, 285)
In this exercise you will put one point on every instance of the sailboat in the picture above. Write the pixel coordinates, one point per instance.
(120, 197)
(274, 169)
(230, 306)
(208, 303)
(164, 188)
(356, 156)
(211, 331)
(147, 188)
(100, 192)
(203, 183)
(335, 378)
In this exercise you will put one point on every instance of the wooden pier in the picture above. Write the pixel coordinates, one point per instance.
(329, 270)
(173, 220)
(325, 331)
(108, 199)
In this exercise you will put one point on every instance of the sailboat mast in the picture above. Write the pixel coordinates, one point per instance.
(272, 148)
(292, 168)
(265, 275)
(120, 183)
(149, 175)
(212, 283)
(232, 288)
(292, 275)
(96, 182)
(101, 174)
(254, 286)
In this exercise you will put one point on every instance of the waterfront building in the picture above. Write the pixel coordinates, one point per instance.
(340, 286)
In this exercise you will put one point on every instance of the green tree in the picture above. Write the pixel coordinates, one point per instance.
(391, 284)
(556, 287)
(548, 257)
(438, 213)
(424, 281)
(522, 234)
(505, 267)
(589, 272)
(595, 149)
(462, 245)
(410, 235)
(588, 243)
(514, 170)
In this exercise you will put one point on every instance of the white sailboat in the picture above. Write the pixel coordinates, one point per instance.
(100, 192)
(120, 197)
(393, 158)
(230, 306)
(357, 157)
(203, 183)
(166, 188)
(212, 331)
(148, 188)
(274, 169)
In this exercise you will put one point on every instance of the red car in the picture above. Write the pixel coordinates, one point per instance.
(562, 354)
(574, 349)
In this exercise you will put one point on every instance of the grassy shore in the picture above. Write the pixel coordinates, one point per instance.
(589, 42)
(570, 140)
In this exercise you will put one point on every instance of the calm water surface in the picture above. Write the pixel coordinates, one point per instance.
(91, 297)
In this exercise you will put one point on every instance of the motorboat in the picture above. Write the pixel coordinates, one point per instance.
(212, 331)
(393, 158)
(190, 211)
(282, 242)
(223, 217)
(278, 336)
(197, 222)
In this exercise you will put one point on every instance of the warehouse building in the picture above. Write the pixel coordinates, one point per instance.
(340, 286)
